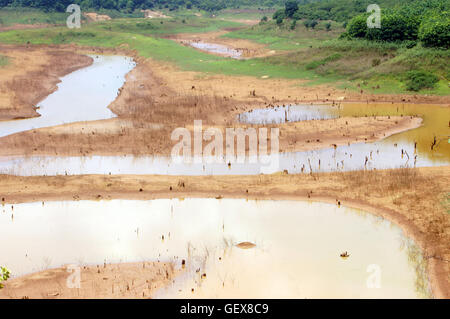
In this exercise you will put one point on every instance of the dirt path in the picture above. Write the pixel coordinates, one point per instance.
(107, 281)
(412, 198)
(32, 74)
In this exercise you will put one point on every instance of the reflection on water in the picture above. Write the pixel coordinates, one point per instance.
(296, 254)
(436, 125)
(83, 95)
(380, 155)
(289, 113)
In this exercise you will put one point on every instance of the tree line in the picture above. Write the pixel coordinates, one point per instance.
(427, 21)
(131, 5)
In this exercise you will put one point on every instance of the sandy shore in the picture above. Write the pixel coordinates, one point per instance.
(412, 198)
(106, 281)
(32, 74)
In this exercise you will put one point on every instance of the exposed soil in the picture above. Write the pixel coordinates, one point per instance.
(131, 280)
(32, 74)
(150, 14)
(94, 17)
(411, 198)
(149, 108)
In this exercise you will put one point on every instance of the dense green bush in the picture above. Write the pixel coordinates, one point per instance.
(409, 26)
(293, 24)
(279, 14)
(435, 30)
(291, 7)
(418, 80)
(357, 27)
(395, 27)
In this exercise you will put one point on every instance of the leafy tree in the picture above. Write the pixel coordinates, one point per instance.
(279, 14)
(291, 7)
(312, 24)
(293, 24)
(279, 21)
(357, 27)
(435, 30)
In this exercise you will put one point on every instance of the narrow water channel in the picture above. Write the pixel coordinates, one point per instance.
(82, 95)
(296, 253)
(216, 49)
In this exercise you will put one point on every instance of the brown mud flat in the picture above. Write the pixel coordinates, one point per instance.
(149, 108)
(411, 198)
(107, 281)
(150, 14)
(31, 75)
(124, 137)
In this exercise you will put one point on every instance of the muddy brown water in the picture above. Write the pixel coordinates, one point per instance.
(296, 253)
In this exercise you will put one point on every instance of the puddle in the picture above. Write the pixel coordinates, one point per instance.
(83, 95)
(216, 49)
(416, 141)
(289, 113)
(296, 252)
(344, 158)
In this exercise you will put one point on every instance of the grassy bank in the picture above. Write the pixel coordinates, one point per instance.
(283, 38)
(358, 64)
(11, 16)
(144, 36)
(312, 54)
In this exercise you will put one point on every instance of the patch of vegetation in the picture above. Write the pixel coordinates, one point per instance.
(315, 64)
(425, 21)
(435, 30)
(302, 53)
(3, 60)
(170, 26)
(4, 276)
(377, 67)
(282, 37)
(446, 202)
(419, 80)
(11, 16)
(129, 6)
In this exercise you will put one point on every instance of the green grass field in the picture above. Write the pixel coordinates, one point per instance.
(283, 38)
(246, 13)
(11, 16)
(314, 55)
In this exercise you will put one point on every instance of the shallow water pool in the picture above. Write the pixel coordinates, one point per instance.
(297, 252)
